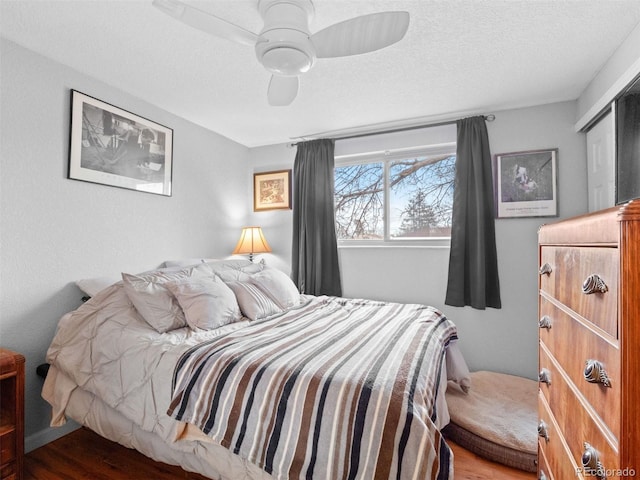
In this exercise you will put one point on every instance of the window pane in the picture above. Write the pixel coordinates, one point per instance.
(359, 201)
(421, 196)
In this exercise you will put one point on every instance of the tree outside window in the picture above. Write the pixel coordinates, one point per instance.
(395, 198)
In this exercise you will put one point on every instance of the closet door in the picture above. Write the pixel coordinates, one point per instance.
(601, 164)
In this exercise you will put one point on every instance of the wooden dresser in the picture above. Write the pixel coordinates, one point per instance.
(589, 348)
(11, 414)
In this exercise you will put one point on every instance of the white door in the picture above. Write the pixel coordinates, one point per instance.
(601, 164)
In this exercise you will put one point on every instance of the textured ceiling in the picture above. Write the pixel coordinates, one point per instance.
(459, 57)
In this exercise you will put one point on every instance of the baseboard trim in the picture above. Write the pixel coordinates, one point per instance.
(48, 435)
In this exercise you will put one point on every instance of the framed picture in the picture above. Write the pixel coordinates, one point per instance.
(272, 190)
(115, 147)
(526, 184)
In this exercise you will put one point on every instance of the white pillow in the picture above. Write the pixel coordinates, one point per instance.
(265, 293)
(279, 286)
(188, 262)
(240, 272)
(91, 286)
(254, 303)
(153, 301)
(206, 301)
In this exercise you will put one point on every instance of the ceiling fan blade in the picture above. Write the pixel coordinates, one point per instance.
(206, 22)
(282, 90)
(361, 34)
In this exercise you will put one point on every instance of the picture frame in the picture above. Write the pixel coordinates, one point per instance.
(526, 184)
(272, 190)
(115, 147)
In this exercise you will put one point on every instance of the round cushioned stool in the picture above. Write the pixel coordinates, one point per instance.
(496, 419)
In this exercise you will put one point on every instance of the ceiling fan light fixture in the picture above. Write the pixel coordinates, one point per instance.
(285, 60)
(284, 51)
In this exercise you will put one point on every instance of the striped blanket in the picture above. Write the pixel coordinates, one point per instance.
(332, 389)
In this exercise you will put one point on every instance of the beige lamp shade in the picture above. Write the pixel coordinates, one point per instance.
(251, 241)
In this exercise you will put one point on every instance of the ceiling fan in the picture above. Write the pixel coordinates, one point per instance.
(285, 47)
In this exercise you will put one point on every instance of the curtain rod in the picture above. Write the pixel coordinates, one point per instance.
(489, 118)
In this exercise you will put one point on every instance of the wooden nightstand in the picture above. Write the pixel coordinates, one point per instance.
(11, 414)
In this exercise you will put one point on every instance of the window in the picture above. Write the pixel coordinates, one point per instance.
(392, 196)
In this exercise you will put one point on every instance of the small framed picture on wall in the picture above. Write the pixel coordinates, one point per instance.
(526, 184)
(272, 190)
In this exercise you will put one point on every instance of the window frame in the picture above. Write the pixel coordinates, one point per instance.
(386, 157)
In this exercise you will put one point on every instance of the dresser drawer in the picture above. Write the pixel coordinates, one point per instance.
(543, 466)
(570, 267)
(8, 471)
(8, 446)
(573, 418)
(554, 458)
(572, 344)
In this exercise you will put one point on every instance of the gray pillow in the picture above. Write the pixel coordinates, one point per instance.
(153, 301)
(206, 301)
(265, 293)
(254, 303)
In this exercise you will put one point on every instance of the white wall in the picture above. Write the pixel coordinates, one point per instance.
(276, 224)
(621, 68)
(496, 339)
(54, 230)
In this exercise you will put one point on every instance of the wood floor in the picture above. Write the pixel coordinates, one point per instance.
(84, 455)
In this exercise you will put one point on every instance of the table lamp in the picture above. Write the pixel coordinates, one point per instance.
(251, 241)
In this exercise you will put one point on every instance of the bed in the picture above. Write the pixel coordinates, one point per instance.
(225, 369)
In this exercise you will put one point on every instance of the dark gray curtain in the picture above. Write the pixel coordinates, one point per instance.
(315, 268)
(473, 261)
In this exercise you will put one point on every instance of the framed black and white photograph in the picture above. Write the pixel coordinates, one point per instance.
(115, 147)
(526, 184)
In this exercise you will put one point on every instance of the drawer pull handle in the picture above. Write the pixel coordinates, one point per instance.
(545, 269)
(545, 376)
(594, 284)
(542, 430)
(594, 372)
(545, 322)
(591, 462)
(542, 476)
